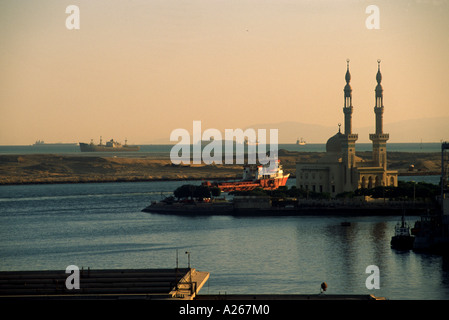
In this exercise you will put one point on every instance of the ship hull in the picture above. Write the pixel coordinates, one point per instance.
(84, 147)
(402, 242)
(265, 184)
(229, 209)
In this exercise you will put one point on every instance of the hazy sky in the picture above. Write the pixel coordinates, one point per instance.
(140, 69)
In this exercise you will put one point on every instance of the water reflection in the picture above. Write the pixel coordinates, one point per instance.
(340, 255)
(244, 255)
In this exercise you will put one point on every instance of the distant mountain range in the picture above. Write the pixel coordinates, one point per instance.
(415, 130)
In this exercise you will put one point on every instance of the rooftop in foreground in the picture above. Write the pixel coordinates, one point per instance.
(109, 284)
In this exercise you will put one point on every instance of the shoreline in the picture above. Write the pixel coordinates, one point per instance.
(20, 169)
(341, 211)
(137, 179)
(82, 181)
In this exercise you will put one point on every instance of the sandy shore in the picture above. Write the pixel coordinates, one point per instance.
(53, 168)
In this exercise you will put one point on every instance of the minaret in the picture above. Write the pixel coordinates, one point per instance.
(379, 138)
(347, 109)
(348, 139)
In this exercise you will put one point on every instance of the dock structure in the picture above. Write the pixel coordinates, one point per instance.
(107, 284)
(288, 297)
(131, 284)
(262, 206)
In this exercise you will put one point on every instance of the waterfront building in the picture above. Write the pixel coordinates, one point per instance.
(340, 169)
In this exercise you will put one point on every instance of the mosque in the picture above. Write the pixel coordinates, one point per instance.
(340, 170)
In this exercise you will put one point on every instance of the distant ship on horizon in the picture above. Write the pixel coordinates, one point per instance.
(251, 143)
(301, 142)
(41, 143)
(111, 145)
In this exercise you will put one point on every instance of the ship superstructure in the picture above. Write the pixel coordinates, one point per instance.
(255, 176)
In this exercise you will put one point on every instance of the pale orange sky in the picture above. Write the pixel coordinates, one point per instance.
(140, 69)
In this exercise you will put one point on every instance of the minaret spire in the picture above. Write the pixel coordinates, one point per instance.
(348, 139)
(379, 138)
(347, 109)
(379, 106)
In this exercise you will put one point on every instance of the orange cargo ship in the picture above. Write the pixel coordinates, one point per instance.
(254, 177)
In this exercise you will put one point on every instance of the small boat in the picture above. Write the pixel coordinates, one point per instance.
(41, 143)
(402, 239)
(301, 142)
(251, 143)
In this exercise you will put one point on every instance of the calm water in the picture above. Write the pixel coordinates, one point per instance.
(311, 147)
(101, 225)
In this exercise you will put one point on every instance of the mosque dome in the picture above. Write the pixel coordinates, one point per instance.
(334, 143)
